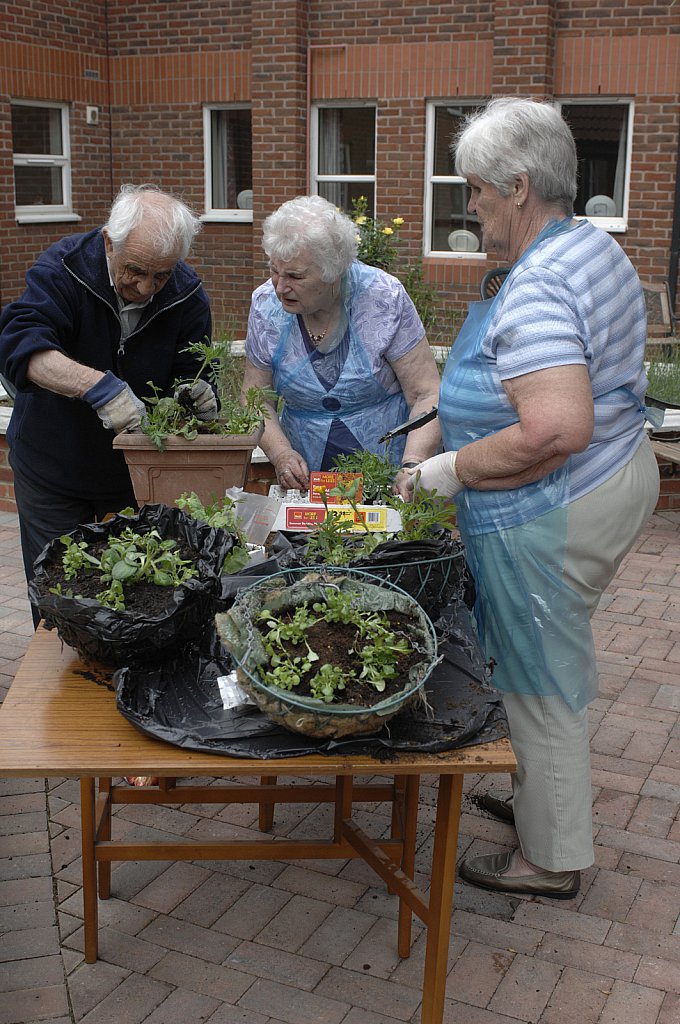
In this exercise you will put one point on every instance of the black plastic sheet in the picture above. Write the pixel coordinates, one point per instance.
(180, 702)
(128, 637)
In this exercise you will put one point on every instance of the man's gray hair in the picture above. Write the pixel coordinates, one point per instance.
(316, 228)
(168, 222)
(512, 136)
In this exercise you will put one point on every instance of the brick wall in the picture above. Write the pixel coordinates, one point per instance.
(7, 503)
(165, 61)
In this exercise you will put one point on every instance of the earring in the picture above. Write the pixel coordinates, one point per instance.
(518, 205)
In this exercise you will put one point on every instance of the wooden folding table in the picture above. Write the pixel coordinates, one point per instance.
(60, 719)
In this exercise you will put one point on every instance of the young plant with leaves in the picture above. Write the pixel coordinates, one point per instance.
(128, 558)
(293, 661)
(329, 543)
(175, 416)
(221, 514)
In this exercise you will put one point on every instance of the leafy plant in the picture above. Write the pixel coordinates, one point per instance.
(378, 247)
(222, 515)
(376, 239)
(424, 517)
(421, 294)
(292, 660)
(377, 470)
(328, 542)
(170, 416)
(421, 518)
(128, 558)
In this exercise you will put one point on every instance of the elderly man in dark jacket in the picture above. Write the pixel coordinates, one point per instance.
(103, 314)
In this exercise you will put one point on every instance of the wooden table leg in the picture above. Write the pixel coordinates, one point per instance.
(411, 786)
(440, 904)
(87, 824)
(344, 796)
(266, 811)
(103, 832)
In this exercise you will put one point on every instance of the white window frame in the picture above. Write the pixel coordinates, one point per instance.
(314, 176)
(432, 179)
(611, 224)
(224, 214)
(31, 214)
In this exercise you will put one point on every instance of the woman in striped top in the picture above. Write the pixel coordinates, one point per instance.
(542, 414)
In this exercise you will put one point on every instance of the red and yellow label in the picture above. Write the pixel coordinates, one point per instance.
(307, 517)
(326, 481)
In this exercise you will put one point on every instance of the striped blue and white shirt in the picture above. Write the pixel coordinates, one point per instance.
(574, 298)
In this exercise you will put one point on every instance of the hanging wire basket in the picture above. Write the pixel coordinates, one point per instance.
(287, 591)
(434, 572)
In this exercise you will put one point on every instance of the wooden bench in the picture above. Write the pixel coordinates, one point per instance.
(669, 451)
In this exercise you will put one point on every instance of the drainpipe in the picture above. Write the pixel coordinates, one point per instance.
(107, 43)
(310, 47)
(675, 238)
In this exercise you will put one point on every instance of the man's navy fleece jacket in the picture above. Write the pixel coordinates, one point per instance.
(69, 305)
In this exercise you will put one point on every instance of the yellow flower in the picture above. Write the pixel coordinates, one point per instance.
(398, 221)
(359, 220)
(388, 231)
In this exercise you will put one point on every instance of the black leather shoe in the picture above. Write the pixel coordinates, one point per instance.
(490, 873)
(499, 808)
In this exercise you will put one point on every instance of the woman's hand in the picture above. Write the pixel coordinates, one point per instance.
(403, 482)
(437, 474)
(292, 471)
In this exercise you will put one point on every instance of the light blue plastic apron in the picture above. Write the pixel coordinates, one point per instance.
(358, 399)
(533, 625)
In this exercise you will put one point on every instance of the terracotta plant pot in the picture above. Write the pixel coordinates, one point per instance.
(208, 465)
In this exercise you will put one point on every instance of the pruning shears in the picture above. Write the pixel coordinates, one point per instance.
(412, 424)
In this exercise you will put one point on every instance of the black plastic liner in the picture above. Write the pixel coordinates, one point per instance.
(179, 702)
(128, 637)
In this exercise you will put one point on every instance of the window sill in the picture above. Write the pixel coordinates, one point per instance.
(47, 218)
(614, 225)
(227, 217)
(447, 257)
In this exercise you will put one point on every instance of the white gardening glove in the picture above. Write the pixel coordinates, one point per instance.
(201, 397)
(438, 474)
(115, 403)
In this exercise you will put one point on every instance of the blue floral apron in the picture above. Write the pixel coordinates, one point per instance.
(357, 401)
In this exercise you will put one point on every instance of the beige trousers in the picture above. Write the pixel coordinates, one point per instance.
(552, 797)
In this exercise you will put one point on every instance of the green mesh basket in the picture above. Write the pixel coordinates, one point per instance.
(286, 591)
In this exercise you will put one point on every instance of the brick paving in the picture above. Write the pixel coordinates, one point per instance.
(314, 943)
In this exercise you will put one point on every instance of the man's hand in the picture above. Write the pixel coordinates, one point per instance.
(115, 403)
(437, 474)
(200, 397)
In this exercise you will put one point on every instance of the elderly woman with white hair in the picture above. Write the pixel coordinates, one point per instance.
(543, 420)
(341, 343)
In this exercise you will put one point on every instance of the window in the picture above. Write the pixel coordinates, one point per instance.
(449, 228)
(42, 169)
(602, 131)
(343, 154)
(228, 146)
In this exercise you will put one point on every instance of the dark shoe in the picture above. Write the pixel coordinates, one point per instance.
(499, 808)
(490, 873)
